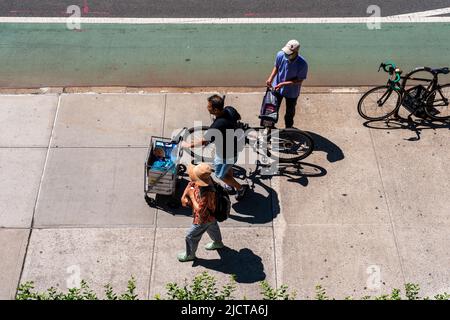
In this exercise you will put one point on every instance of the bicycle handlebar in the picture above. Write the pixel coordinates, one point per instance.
(392, 69)
(385, 65)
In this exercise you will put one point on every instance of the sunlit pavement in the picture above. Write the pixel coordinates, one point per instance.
(366, 212)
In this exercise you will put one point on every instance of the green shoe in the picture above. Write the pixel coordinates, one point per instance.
(214, 245)
(183, 257)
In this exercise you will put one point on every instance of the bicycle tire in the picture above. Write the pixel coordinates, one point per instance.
(439, 110)
(380, 90)
(419, 76)
(304, 140)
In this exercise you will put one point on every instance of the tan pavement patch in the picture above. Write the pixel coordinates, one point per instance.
(186, 110)
(347, 260)
(26, 121)
(12, 252)
(93, 120)
(63, 257)
(425, 256)
(20, 171)
(94, 187)
(415, 175)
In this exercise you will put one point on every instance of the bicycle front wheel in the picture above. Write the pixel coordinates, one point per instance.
(437, 107)
(289, 145)
(200, 153)
(379, 103)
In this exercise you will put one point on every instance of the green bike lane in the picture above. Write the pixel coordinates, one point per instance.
(49, 54)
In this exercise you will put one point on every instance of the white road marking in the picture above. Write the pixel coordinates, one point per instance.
(345, 90)
(428, 13)
(353, 20)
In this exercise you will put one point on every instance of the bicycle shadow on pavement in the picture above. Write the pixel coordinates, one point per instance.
(255, 208)
(416, 126)
(300, 172)
(245, 265)
(249, 209)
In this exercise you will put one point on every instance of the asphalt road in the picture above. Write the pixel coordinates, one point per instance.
(214, 8)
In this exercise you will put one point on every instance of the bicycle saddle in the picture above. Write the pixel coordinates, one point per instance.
(440, 70)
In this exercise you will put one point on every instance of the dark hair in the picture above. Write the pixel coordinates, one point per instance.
(216, 101)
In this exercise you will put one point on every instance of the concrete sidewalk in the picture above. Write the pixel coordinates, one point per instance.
(72, 205)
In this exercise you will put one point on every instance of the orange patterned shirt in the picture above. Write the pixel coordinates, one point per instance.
(206, 201)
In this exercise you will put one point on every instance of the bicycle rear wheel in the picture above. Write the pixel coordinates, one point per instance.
(437, 106)
(379, 103)
(419, 76)
(200, 153)
(289, 145)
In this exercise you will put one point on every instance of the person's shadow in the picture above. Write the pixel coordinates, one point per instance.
(246, 266)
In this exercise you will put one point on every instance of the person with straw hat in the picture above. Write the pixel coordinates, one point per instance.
(200, 196)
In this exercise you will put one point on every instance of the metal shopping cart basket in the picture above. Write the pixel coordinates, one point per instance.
(162, 173)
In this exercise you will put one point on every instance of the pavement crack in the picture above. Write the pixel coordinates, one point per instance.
(388, 207)
(39, 191)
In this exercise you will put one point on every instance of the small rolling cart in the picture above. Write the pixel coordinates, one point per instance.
(162, 172)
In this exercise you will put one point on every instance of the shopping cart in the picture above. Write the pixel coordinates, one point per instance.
(162, 173)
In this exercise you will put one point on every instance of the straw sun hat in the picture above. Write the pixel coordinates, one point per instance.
(200, 174)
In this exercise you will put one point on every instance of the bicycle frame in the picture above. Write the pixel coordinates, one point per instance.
(433, 85)
(262, 140)
(433, 82)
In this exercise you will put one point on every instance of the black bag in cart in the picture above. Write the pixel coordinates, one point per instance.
(269, 109)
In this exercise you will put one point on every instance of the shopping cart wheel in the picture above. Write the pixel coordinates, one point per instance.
(181, 169)
(173, 204)
(150, 201)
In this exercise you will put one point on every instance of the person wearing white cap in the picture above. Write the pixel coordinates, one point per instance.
(288, 74)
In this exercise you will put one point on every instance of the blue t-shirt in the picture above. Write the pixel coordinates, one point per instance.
(297, 69)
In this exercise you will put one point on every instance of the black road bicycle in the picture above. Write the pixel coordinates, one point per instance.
(419, 92)
(288, 145)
